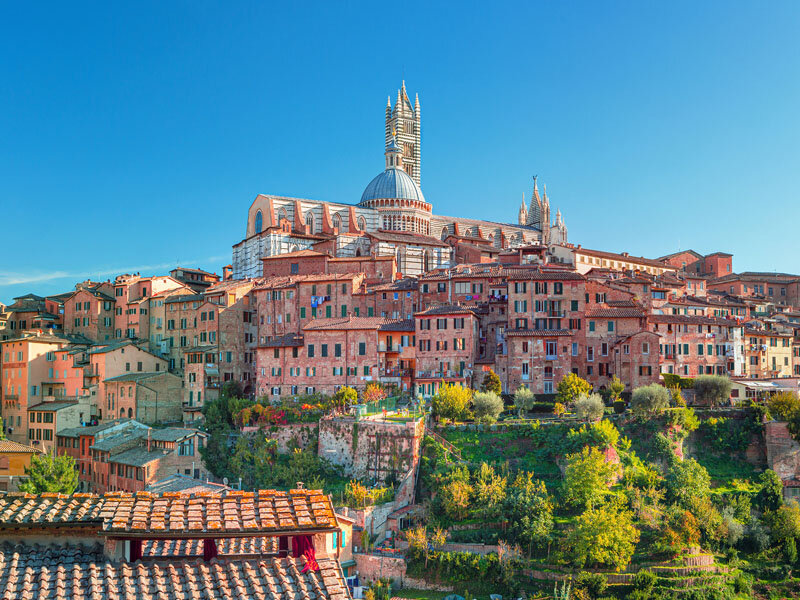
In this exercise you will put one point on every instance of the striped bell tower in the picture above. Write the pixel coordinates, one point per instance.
(403, 123)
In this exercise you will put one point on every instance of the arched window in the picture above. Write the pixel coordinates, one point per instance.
(426, 261)
(401, 259)
(337, 221)
(362, 223)
(130, 413)
(282, 214)
(358, 251)
(310, 222)
(259, 222)
(445, 233)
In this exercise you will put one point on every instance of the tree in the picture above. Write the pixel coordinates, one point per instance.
(373, 393)
(491, 383)
(785, 522)
(452, 402)
(589, 408)
(713, 389)
(616, 387)
(343, 397)
(455, 497)
(50, 473)
(490, 491)
(650, 400)
(687, 479)
(770, 493)
(487, 406)
(523, 400)
(603, 536)
(572, 387)
(2, 430)
(588, 477)
(559, 409)
(529, 512)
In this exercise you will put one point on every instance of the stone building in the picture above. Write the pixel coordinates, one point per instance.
(392, 218)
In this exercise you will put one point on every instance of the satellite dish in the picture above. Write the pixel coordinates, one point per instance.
(225, 480)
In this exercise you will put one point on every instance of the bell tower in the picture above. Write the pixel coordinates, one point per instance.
(403, 123)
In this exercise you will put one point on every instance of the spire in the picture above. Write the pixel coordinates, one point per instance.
(416, 102)
(388, 102)
(394, 153)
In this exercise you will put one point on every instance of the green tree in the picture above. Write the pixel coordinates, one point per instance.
(589, 408)
(491, 383)
(603, 536)
(712, 389)
(490, 491)
(588, 477)
(344, 397)
(2, 429)
(523, 400)
(571, 387)
(487, 406)
(785, 522)
(50, 473)
(529, 512)
(650, 400)
(455, 497)
(615, 388)
(687, 479)
(770, 492)
(783, 405)
(452, 402)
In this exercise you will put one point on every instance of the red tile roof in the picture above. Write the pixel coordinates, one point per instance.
(175, 514)
(350, 323)
(539, 332)
(78, 573)
(615, 313)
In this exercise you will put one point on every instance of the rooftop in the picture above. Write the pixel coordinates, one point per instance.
(174, 515)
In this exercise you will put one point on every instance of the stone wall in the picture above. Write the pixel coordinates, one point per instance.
(370, 449)
(783, 453)
(290, 436)
(372, 567)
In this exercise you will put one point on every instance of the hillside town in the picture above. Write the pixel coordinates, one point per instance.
(373, 397)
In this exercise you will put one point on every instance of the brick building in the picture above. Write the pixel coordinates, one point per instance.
(690, 345)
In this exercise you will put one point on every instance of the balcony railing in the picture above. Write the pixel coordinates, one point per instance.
(397, 373)
(440, 374)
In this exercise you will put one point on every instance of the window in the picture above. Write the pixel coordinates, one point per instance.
(311, 351)
(551, 350)
(362, 348)
(324, 352)
(337, 350)
(591, 325)
(610, 326)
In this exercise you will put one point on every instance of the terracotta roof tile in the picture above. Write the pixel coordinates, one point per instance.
(76, 572)
(232, 512)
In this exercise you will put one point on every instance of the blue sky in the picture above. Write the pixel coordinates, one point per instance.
(134, 137)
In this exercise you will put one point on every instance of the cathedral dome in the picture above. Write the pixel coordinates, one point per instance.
(393, 183)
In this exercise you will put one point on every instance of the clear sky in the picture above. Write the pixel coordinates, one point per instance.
(134, 136)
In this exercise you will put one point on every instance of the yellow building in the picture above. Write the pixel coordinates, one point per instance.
(768, 353)
(14, 459)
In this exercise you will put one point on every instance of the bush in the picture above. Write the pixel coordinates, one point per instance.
(650, 399)
(644, 581)
(594, 583)
(491, 383)
(589, 408)
(713, 389)
(783, 405)
(572, 387)
(487, 406)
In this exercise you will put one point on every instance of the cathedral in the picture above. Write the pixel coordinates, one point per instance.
(392, 218)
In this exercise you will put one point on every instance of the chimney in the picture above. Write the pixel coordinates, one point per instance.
(148, 439)
(227, 272)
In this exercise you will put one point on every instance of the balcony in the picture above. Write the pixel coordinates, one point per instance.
(397, 372)
(551, 356)
(442, 375)
(557, 314)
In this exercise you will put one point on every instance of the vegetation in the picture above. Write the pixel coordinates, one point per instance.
(487, 406)
(650, 400)
(50, 473)
(572, 387)
(712, 389)
(588, 478)
(524, 399)
(589, 408)
(491, 383)
(452, 402)
(605, 536)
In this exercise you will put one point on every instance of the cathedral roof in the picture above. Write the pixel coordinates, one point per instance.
(393, 183)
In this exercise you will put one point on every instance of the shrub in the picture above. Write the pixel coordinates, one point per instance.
(784, 405)
(589, 408)
(713, 389)
(559, 409)
(594, 583)
(650, 399)
(523, 400)
(487, 406)
(644, 581)
(619, 406)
